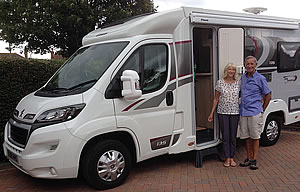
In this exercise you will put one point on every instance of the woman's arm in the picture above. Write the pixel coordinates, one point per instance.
(215, 103)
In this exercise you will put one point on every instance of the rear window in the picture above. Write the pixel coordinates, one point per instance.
(288, 56)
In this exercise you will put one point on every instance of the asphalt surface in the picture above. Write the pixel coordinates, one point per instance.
(279, 170)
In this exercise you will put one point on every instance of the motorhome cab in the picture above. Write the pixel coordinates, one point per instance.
(144, 88)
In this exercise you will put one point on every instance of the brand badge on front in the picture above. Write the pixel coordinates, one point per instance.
(22, 112)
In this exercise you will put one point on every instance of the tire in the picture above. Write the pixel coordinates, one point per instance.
(112, 159)
(271, 131)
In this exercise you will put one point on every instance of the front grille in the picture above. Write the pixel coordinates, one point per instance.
(18, 133)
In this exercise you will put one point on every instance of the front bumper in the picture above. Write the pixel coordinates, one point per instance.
(51, 152)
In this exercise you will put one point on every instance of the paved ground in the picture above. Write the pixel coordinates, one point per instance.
(279, 170)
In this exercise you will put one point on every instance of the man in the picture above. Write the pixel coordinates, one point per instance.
(255, 97)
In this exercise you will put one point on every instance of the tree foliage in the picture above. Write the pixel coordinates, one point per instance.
(44, 24)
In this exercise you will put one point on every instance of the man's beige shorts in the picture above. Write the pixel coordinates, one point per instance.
(251, 126)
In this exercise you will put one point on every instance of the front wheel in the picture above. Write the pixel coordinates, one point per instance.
(271, 131)
(107, 164)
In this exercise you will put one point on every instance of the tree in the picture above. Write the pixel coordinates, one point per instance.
(44, 24)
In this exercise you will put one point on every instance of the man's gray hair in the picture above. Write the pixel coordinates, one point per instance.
(251, 57)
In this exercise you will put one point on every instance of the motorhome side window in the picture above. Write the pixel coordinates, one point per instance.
(150, 62)
(288, 56)
(202, 39)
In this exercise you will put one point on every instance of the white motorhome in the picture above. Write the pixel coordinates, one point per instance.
(144, 87)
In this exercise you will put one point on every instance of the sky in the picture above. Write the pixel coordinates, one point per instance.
(283, 8)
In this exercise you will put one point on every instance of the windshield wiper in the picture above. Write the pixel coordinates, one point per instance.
(63, 89)
(83, 84)
(55, 90)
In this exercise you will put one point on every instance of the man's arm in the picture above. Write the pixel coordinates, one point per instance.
(266, 101)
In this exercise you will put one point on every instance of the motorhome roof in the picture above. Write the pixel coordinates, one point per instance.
(167, 21)
(157, 23)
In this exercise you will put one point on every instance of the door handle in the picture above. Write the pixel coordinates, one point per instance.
(169, 98)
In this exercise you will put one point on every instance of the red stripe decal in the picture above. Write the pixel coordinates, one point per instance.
(180, 42)
(184, 75)
(172, 78)
(133, 104)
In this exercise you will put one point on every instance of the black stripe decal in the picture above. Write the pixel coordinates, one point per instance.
(265, 70)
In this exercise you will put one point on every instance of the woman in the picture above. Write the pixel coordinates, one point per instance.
(227, 100)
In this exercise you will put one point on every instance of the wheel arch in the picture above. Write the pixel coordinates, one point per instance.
(277, 108)
(122, 136)
(279, 114)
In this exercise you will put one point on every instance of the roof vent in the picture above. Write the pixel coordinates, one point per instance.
(255, 10)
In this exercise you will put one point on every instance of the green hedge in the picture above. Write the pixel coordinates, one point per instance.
(20, 77)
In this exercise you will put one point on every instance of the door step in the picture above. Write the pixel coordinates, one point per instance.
(200, 154)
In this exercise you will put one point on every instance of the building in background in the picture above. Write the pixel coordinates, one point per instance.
(10, 55)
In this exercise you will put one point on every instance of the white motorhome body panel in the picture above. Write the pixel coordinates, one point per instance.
(231, 48)
(185, 127)
(97, 118)
(47, 147)
(36, 105)
(148, 117)
(48, 153)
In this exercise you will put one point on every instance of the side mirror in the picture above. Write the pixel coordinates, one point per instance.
(131, 88)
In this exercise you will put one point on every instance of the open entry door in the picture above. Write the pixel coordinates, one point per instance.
(231, 48)
(203, 51)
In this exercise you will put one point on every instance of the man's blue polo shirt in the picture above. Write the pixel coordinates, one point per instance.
(252, 91)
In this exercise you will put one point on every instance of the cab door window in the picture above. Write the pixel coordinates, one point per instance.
(150, 62)
(155, 68)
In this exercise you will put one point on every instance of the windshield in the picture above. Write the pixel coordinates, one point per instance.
(82, 70)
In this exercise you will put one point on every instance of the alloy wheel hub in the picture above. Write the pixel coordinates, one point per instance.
(272, 130)
(111, 165)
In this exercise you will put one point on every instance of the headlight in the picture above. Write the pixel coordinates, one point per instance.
(58, 115)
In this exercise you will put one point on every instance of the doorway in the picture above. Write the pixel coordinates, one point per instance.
(204, 91)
